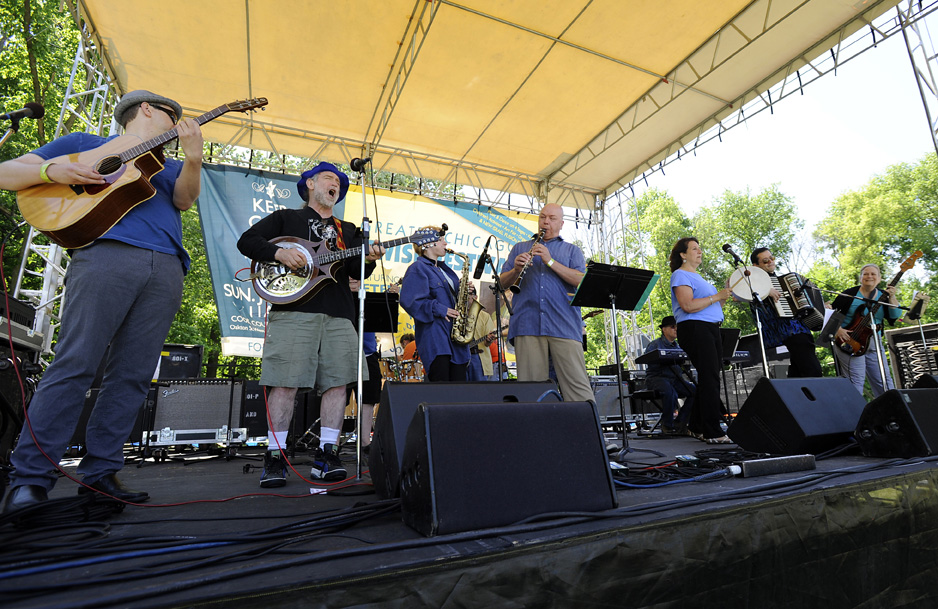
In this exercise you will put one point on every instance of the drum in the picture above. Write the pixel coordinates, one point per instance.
(412, 371)
(743, 286)
(389, 368)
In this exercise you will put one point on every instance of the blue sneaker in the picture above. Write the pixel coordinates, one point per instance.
(327, 465)
(275, 471)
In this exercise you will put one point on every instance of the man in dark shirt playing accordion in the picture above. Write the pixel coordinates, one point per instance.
(786, 331)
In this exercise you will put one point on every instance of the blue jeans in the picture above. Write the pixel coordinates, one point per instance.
(475, 368)
(671, 390)
(865, 367)
(117, 295)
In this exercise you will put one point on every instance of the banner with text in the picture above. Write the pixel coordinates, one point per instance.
(234, 198)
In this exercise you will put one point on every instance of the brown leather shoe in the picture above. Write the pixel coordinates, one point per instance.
(24, 496)
(110, 485)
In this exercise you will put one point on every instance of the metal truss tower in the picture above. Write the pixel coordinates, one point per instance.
(921, 50)
(88, 106)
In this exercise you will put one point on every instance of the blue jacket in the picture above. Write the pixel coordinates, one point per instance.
(426, 296)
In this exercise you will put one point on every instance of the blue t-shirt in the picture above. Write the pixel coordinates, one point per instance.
(701, 289)
(542, 307)
(155, 224)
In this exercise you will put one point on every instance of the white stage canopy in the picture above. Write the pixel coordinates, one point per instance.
(562, 100)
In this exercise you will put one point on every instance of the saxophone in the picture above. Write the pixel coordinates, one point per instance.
(466, 322)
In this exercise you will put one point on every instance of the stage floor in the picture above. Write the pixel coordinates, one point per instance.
(855, 532)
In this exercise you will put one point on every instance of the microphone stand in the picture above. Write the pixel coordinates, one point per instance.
(759, 308)
(499, 296)
(13, 128)
(366, 229)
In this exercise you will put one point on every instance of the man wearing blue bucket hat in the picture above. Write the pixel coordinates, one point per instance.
(311, 343)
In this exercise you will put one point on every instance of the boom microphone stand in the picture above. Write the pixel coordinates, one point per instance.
(359, 166)
(499, 298)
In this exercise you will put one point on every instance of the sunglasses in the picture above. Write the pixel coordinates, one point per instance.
(172, 114)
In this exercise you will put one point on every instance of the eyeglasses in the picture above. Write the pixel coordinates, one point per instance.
(767, 260)
(172, 114)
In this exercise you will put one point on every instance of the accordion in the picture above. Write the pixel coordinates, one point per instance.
(800, 300)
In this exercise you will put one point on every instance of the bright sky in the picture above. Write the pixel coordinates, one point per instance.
(844, 130)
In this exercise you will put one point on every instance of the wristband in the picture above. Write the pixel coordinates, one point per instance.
(42, 172)
(550, 262)
(711, 299)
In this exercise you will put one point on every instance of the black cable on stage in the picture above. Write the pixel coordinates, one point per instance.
(524, 527)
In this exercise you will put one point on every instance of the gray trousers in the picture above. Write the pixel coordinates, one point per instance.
(117, 295)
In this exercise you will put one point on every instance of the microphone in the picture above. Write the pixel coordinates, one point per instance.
(359, 164)
(480, 265)
(32, 110)
(729, 250)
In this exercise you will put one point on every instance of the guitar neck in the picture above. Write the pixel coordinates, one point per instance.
(342, 254)
(163, 138)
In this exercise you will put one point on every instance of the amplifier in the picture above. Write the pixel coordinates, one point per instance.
(192, 410)
(606, 391)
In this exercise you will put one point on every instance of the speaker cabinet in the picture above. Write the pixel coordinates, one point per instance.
(606, 391)
(180, 361)
(926, 381)
(900, 423)
(399, 403)
(797, 416)
(474, 466)
(192, 411)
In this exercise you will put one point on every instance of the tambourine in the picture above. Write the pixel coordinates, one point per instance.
(742, 286)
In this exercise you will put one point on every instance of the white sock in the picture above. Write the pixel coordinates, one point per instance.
(279, 441)
(327, 435)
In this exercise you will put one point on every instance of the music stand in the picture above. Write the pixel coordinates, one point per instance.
(381, 311)
(606, 286)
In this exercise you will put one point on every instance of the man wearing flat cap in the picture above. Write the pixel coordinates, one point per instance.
(312, 343)
(669, 381)
(123, 291)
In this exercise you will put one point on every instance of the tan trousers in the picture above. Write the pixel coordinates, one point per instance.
(532, 353)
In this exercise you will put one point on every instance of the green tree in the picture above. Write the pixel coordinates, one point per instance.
(36, 40)
(883, 223)
(745, 221)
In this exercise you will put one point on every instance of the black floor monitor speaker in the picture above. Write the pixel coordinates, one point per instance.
(926, 381)
(797, 416)
(474, 466)
(399, 403)
(900, 423)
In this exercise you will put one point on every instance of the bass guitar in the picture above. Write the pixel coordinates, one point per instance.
(279, 284)
(74, 215)
(860, 329)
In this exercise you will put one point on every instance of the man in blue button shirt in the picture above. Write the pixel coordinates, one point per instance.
(544, 326)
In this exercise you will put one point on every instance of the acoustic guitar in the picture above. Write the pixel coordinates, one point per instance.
(74, 215)
(279, 284)
(860, 329)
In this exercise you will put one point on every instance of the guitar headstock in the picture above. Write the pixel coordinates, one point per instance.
(910, 261)
(426, 236)
(244, 105)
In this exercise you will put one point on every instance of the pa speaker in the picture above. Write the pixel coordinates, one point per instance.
(797, 416)
(474, 466)
(900, 423)
(399, 403)
(926, 381)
